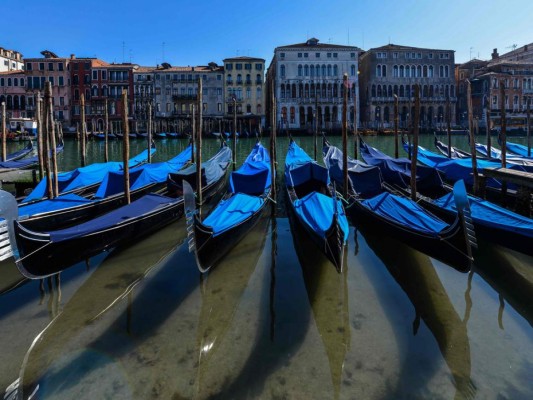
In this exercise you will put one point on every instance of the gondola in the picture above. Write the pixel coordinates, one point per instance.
(72, 209)
(173, 135)
(160, 135)
(492, 222)
(26, 163)
(17, 155)
(101, 136)
(517, 149)
(84, 179)
(455, 152)
(40, 254)
(400, 217)
(314, 205)
(496, 154)
(239, 210)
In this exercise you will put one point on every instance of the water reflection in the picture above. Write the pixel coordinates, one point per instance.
(510, 274)
(112, 281)
(221, 292)
(328, 296)
(416, 275)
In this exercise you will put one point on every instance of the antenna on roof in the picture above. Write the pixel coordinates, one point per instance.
(471, 48)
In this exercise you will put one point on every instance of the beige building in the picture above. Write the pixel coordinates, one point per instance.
(244, 89)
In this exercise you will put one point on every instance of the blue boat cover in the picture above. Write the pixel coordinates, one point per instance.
(317, 211)
(456, 169)
(26, 162)
(232, 211)
(253, 177)
(519, 149)
(497, 154)
(142, 176)
(144, 205)
(405, 212)
(397, 171)
(212, 169)
(300, 168)
(365, 179)
(491, 215)
(84, 176)
(59, 203)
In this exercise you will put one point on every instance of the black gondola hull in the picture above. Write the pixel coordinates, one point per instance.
(451, 250)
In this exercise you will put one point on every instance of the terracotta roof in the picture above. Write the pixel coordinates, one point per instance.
(17, 72)
(244, 58)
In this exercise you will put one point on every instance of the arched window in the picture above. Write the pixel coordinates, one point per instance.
(105, 93)
(335, 70)
(248, 79)
(446, 71)
(402, 91)
(431, 93)
(335, 91)
(329, 69)
(324, 70)
(300, 91)
(281, 70)
(352, 70)
(229, 79)
(312, 72)
(402, 71)
(259, 93)
(395, 71)
(378, 70)
(419, 71)
(8, 81)
(293, 91)
(306, 90)
(239, 79)
(16, 103)
(396, 90)
(306, 70)
(390, 91)
(384, 70)
(430, 71)
(379, 91)
(15, 81)
(441, 71)
(300, 70)
(329, 90)
(425, 71)
(95, 91)
(425, 92)
(318, 70)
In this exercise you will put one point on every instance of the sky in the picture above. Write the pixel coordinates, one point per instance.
(197, 32)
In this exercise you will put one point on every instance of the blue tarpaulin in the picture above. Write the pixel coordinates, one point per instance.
(365, 179)
(84, 176)
(233, 211)
(253, 177)
(519, 149)
(406, 213)
(139, 207)
(317, 210)
(397, 171)
(300, 168)
(491, 215)
(25, 162)
(142, 176)
(59, 203)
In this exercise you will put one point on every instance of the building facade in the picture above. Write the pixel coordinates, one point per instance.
(10, 60)
(101, 83)
(244, 88)
(13, 93)
(308, 84)
(394, 70)
(55, 70)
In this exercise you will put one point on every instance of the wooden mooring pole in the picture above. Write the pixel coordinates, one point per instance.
(273, 141)
(126, 146)
(449, 125)
(149, 146)
(396, 155)
(106, 150)
(4, 132)
(472, 137)
(503, 124)
(345, 138)
(52, 137)
(46, 140)
(414, 151)
(83, 134)
(199, 149)
(40, 134)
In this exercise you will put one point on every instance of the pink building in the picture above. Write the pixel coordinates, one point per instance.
(13, 93)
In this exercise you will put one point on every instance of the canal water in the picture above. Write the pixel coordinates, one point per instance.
(274, 320)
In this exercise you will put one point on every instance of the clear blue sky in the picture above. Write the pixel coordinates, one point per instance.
(197, 32)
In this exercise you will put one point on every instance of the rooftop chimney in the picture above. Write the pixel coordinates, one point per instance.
(72, 56)
(495, 54)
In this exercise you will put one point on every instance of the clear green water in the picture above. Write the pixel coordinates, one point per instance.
(274, 320)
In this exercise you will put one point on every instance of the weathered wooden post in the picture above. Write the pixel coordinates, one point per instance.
(193, 133)
(355, 130)
(126, 146)
(52, 137)
(449, 125)
(273, 142)
(106, 150)
(396, 155)
(503, 119)
(234, 133)
(472, 137)
(83, 135)
(46, 140)
(414, 151)
(528, 119)
(489, 144)
(40, 134)
(316, 123)
(149, 132)
(199, 149)
(345, 137)
(4, 133)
